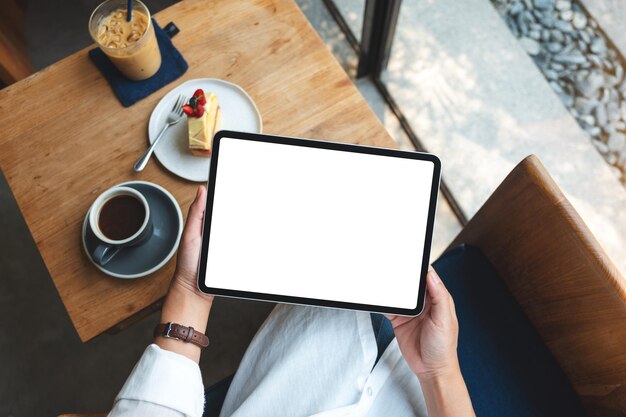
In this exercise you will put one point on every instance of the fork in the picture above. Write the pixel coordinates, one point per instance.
(174, 116)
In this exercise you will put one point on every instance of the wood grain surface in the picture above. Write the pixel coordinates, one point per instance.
(65, 138)
(562, 278)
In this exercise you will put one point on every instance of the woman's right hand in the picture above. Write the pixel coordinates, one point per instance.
(428, 343)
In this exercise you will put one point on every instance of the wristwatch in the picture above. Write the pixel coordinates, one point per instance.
(182, 333)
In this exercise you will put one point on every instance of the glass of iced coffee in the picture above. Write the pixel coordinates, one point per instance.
(131, 45)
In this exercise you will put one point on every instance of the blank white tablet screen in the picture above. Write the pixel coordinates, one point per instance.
(317, 223)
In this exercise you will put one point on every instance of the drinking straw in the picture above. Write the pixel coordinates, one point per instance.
(129, 14)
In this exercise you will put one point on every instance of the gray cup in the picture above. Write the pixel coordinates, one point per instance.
(108, 248)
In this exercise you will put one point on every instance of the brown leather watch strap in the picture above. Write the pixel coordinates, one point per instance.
(180, 332)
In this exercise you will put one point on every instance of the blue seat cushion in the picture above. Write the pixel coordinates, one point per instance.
(508, 370)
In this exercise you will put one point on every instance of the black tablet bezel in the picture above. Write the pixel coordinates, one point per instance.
(320, 145)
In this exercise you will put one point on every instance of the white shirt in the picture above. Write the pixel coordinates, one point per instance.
(304, 361)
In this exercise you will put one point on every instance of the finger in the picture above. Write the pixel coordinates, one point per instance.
(193, 228)
(397, 321)
(394, 319)
(440, 309)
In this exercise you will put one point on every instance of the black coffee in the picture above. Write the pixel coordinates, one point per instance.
(121, 217)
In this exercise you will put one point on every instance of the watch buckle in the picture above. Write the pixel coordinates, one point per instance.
(168, 330)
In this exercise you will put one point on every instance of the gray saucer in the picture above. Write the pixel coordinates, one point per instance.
(138, 261)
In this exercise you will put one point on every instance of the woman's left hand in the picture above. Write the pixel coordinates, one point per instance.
(186, 274)
(184, 303)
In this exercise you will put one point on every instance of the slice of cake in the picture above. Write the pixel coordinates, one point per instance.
(203, 120)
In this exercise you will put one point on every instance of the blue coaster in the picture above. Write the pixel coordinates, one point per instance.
(173, 65)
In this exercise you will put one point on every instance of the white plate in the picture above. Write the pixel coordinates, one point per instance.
(239, 112)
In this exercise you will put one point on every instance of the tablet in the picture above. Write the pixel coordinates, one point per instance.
(318, 223)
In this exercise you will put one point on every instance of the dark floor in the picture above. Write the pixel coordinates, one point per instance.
(45, 369)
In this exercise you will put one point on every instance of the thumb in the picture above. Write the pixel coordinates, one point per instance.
(193, 227)
(440, 311)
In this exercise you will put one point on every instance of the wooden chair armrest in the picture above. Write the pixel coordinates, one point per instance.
(562, 278)
(14, 61)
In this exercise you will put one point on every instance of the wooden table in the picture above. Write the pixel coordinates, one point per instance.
(65, 138)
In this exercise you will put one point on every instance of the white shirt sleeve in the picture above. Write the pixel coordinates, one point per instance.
(162, 384)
